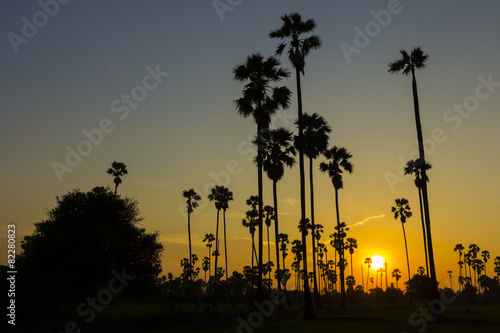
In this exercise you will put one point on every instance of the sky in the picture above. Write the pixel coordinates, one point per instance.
(86, 83)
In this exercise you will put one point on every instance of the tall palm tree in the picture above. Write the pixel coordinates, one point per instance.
(352, 244)
(460, 248)
(486, 255)
(192, 202)
(338, 161)
(368, 261)
(396, 273)
(269, 212)
(292, 35)
(315, 141)
(224, 197)
(407, 65)
(283, 240)
(209, 238)
(414, 167)
(117, 170)
(261, 101)
(215, 196)
(278, 152)
(402, 211)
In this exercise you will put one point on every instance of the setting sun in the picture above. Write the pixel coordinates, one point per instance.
(377, 262)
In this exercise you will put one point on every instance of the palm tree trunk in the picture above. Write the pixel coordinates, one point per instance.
(315, 280)
(216, 258)
(425, 199)
(225, 258)
(368, 278)
(407, 259)
(209, 263)
(268, 253)
(423, 231)
(341, 255)
(189, 237)
(352, 274)
(259, 175)
(276, 234)
(308, 306)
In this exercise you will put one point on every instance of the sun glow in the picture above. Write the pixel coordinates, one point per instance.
(377, 262)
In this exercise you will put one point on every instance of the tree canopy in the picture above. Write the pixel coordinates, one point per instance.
(86, 236)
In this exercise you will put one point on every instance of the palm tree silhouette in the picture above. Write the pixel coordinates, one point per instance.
(215, 196)
(283, 240)
(368, 261)
(261, 101)
(414, 167)
(352, 244)
(407, 65)
(396, 273)
(291, 35)
(224, 197)
(278, 152)
(117, 170)
(460, 248)
(292, 31)
(402, 211)
(209, 238)
(192, 198)
(269, 212)
(315, 140)
(338, 161)
(486, 255)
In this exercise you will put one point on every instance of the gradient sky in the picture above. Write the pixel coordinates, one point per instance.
(65, 78)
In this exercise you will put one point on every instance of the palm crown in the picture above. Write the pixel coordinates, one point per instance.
(402, 210)
(316, 137)
(278, 152)
(338, 161)
(117, 170)
(192, 198)
(260, 99)
(415, 167)
(409, 62)
(298, 47)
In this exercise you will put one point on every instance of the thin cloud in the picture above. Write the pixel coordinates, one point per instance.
(366, 219)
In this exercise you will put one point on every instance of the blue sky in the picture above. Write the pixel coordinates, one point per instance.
(65, 78)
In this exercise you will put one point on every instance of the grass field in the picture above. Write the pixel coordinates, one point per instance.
(242, 319)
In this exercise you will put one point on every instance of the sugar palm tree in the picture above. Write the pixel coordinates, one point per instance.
(283, 240)
(402, 211)
(269, 215)
(224, 197)
(414, 167)
(396, 273)
(496, 263)
(295, 35)
(368, 261)
(352, 244)
(486, 255)
(209, 238)
(261, 101)
(215, 196)
(192, 202)
(407, 65)
(459, 248)
(278, 153)
(338, 161)
(315, 141)
(117, 170)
